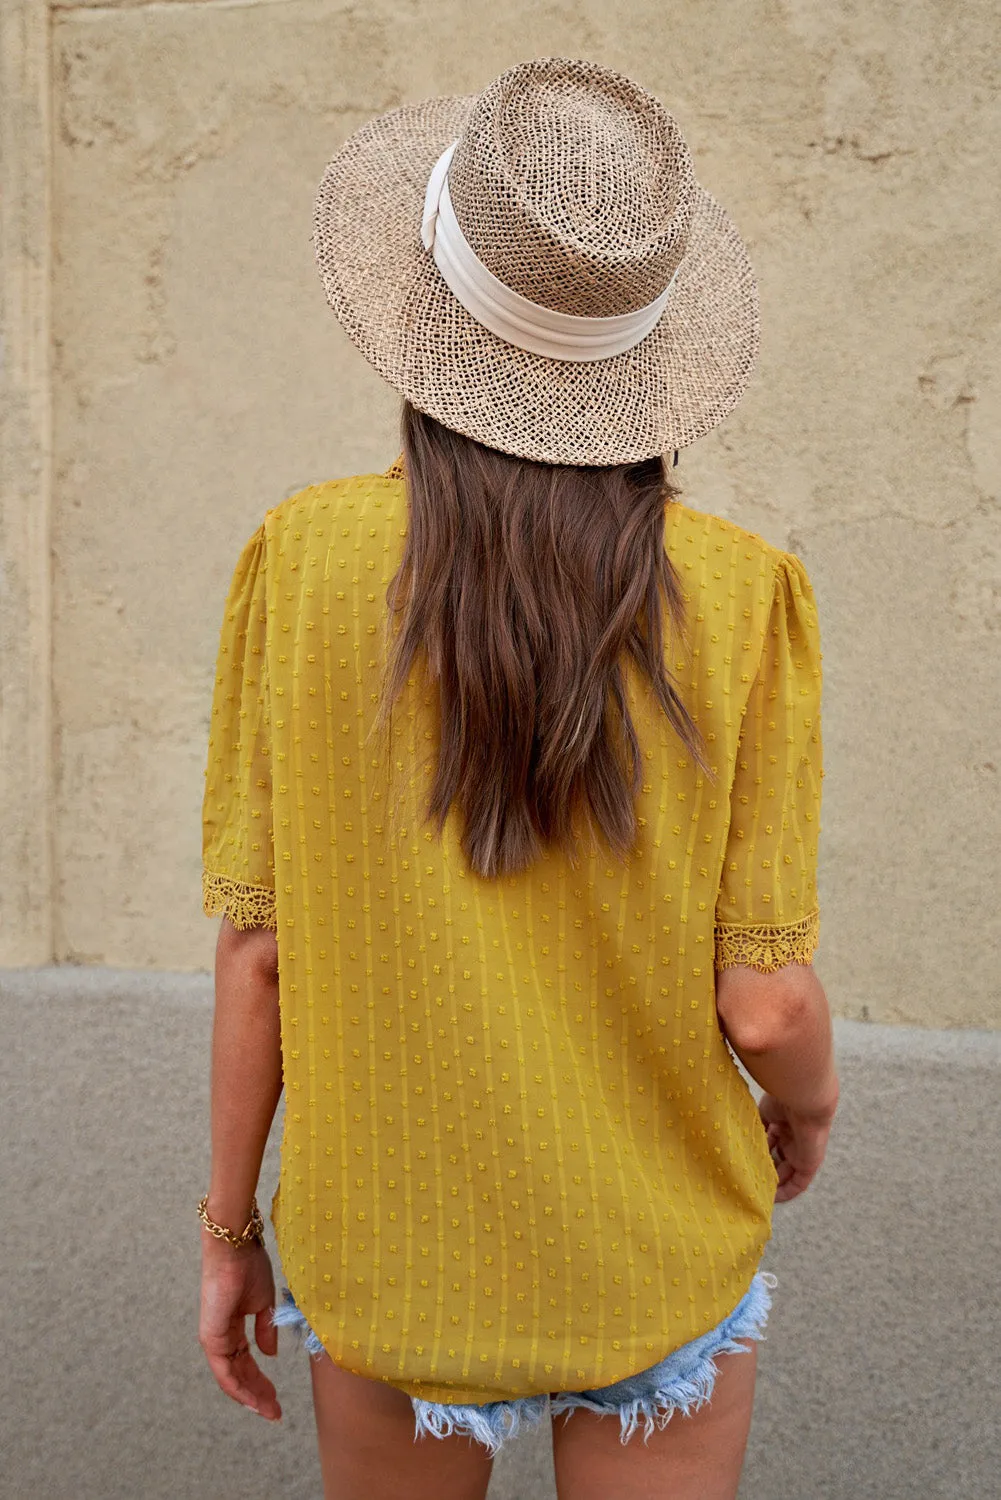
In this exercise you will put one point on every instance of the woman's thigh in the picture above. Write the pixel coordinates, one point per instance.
(698, 1457)
(365, 1432)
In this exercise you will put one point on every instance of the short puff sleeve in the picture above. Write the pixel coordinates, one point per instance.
(238, 871)
(767, 911)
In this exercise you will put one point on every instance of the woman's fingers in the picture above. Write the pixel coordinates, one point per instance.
(242, 1379)
(793, 1184)
(797, 1150)
(266, 1332)
(237, 1373)
(237, 1284)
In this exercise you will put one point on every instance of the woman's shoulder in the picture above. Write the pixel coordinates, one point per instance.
(721, 562)
(346, 499)
(706, 533)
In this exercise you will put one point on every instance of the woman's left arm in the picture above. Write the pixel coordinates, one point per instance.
(246, 1087)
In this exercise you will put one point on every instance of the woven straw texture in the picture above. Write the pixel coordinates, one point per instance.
(576, 189)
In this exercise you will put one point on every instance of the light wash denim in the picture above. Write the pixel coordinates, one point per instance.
(682, 1382)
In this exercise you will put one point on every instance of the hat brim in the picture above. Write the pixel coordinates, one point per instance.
(666, 392)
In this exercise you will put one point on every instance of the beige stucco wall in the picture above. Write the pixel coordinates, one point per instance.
(197, 377)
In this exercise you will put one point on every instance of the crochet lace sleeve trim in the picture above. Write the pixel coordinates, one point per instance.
(767, 948)
(245, 905)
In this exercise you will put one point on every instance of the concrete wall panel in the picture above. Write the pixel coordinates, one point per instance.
(26, 865)
(200, 378)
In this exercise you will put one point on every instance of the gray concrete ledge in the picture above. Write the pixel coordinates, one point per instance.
(877, 1379)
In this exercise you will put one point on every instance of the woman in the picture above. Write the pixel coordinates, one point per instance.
(512, 810)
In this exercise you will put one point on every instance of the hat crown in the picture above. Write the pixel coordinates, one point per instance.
(575, 187)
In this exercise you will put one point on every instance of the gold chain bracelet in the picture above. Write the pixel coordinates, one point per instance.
(253, 1232)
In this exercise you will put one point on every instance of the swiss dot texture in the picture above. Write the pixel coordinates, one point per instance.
(518, 1156)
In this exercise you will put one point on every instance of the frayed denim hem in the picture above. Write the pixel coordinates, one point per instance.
(289, 1316)
(684, 1381)
(492, 1425)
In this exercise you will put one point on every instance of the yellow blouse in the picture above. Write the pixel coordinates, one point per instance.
(518, 1155)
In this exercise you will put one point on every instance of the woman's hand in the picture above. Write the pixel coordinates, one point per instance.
(797, 1143)
(237, 1284)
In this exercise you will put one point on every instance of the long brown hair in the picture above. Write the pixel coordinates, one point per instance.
(524, 585)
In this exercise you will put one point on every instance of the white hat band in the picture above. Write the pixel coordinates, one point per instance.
(527, 325)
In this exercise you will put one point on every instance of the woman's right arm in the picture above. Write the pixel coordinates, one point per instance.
(779, 1025)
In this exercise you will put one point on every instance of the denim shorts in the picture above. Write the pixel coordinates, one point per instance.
(682, 1382)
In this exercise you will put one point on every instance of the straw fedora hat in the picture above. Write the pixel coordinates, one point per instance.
(537, 267)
